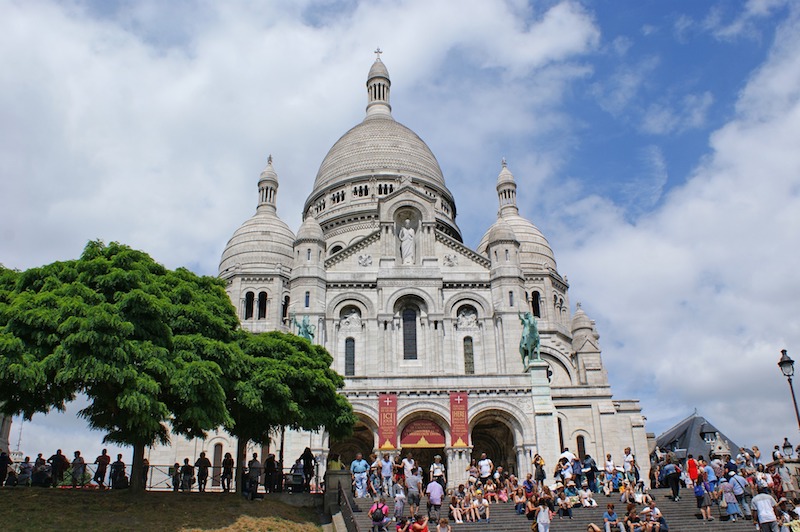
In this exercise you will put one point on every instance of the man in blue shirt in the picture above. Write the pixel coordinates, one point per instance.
(358, 470)
(610, 519)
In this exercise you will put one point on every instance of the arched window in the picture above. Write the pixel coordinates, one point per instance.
(249, 299)
(349, 357)
(535, 308)
(262, 305)
(469, 356)
(409, 334)
(511, 298)
(581, 447)
(336, 249)
(561, 435)
(308, 254)
(285, 309)
(308, 299)
(216, 465)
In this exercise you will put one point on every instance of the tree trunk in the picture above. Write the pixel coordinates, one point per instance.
(241, 462)
(137, 483)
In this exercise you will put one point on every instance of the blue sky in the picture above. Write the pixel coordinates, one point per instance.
(653, 142)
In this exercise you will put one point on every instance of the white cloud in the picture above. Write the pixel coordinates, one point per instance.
(616, 94)
(690, 113)
(701, 290)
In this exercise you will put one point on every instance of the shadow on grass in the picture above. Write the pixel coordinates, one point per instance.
(55, 509)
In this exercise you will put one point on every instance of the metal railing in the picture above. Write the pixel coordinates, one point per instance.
(347, 511)
(159, 477)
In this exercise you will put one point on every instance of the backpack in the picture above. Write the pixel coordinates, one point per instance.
(699, 491)
(377, 514)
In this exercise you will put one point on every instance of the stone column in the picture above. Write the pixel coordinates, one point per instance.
(458, 459)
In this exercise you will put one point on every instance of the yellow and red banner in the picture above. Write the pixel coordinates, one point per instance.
(459, 423)
(422, 433)
(387, 421)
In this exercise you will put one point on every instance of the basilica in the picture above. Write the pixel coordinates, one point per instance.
(425, 330)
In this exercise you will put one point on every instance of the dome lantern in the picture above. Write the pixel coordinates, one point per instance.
(268, 187)
(507, 191)
(378, 84)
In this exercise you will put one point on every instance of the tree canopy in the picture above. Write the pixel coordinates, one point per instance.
(154, 350)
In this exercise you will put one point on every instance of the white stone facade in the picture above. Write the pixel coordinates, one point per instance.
(428, 318)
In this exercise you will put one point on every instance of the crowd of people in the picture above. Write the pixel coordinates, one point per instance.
(59, 470)
(743, 485)
(575, 482)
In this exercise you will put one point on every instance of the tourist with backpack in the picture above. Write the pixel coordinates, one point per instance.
(379, 513)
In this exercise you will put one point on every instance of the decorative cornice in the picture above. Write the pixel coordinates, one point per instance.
(353, 248)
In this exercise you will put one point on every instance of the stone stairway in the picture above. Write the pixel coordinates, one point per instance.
(681, 516)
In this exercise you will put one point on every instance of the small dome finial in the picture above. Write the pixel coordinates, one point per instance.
(378, 53)
(503, 162)
(578, 305)
(269, 159)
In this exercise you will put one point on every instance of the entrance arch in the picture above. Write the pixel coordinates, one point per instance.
(361, 441)
(425, 435)
(495, 433)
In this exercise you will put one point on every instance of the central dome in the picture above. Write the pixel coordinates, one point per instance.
(377, 145)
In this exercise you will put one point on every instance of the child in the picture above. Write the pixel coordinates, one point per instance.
(443, 526)
(543, 518)
(399, 502)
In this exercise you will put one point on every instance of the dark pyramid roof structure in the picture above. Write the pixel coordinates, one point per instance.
(695, 435)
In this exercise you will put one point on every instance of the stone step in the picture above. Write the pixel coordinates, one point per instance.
(681, 516)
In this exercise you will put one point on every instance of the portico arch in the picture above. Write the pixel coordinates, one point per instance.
(363, 440)
(496, 433)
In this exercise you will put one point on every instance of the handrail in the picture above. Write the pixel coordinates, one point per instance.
(347, 511)
(158, 477)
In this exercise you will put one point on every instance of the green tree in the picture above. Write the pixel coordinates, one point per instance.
(287, 382)
(150, 347)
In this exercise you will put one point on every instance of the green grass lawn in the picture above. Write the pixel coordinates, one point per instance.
(56, 509)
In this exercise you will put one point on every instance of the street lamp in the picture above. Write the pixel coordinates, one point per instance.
(787, 368)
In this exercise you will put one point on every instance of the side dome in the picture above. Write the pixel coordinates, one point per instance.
(263, 241)
(310, 230)
(534, 250)
(260, 243)
(378, 144)
(581, 322)
(500, 231)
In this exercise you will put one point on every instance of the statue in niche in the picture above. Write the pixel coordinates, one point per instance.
(407, 234)
(529, 343)
(352, 320)
(467, 318)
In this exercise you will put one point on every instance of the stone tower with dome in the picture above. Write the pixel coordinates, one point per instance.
(425, 330)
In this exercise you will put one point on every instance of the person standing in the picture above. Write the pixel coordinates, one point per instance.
(253, 475)
(145, 471)
(25, 472)
(414, 489)
(202, 464)
(764, 505)
(117, 473)
(437, 471)
(270, 473)
(485, 468)
(435, 493)
(78, 469)
(187, 475)
(102, 462)
(387, 472)
(227, 472)
(58, 465)
(175, 473)
(308, 468)
(358, 472)
(409, 465)
(5, 462)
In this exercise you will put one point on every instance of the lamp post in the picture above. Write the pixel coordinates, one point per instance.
(787, 368)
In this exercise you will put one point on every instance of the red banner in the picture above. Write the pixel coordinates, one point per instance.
(387, 421)
(422, 433)
(459, 422)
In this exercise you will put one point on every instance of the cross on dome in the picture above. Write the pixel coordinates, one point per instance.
(378, 53)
